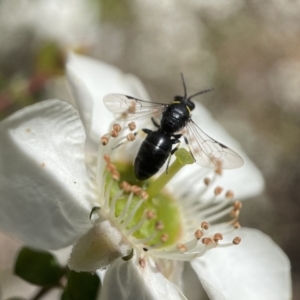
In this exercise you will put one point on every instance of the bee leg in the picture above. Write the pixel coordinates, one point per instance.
(173, 151)
(187, 143)
(155, 123)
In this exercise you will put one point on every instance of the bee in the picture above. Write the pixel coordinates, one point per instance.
(175, 122)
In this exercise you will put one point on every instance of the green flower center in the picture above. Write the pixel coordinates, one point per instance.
(159, 216)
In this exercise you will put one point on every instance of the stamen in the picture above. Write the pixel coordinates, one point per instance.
(125, 209)
(164, 237)
(117, 128)
(131, 214)
(132, 126)
(130, 137)
(218, 190)
(236, 240)
(204, 225)
(198, 234)
(236, 225)
(114, 134)
(150, 215)
(104, 140)
(229, 195)
(218, 237)
(159, 225)
(206, 241)
(181, 247)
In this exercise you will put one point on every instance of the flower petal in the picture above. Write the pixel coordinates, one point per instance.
(45, 191)
(102, 244)
(90, 80)
(255, 269)
(137, 279)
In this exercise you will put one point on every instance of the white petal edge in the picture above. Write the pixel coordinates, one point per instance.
(256, 269)
(45, 190)
(133, 280)
(90, 80)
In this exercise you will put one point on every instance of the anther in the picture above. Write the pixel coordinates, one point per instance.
(237, 225)
(198, 234)
(218, 190)
(150, 214)
(135, 189)
(104, 140)
(116, 175)
(117, 127)
(164, 237)
(132, 126)
(207, 181)
(237, 205)
(229, 195)
(125, 186)
(106, 158)
(159, 225)
(236, 240)
(145, 249)
(204, 225)
(206, 241)
(218, 237)
(181, 247)
(131, 109)
(114, 134)
(235, 213)
(144, 195)
(130, 137)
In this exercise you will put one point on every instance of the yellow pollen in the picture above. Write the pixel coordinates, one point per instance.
(198, 234)
(204, 225)
(236, 240)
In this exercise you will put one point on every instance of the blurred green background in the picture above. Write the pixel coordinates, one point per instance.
(249, 51)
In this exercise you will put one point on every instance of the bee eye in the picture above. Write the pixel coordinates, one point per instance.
(190, 105)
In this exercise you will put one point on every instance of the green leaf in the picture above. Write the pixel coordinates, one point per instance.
(81, 285)
(38, 267)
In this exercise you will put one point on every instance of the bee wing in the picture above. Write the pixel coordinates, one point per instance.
(129, 108)
(206, 150)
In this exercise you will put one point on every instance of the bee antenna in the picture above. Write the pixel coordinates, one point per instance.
(184, 86)
(200, 93)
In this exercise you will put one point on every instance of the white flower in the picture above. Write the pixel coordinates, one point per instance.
(50, 181)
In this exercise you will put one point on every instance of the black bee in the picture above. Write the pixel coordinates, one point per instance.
(158, 145)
